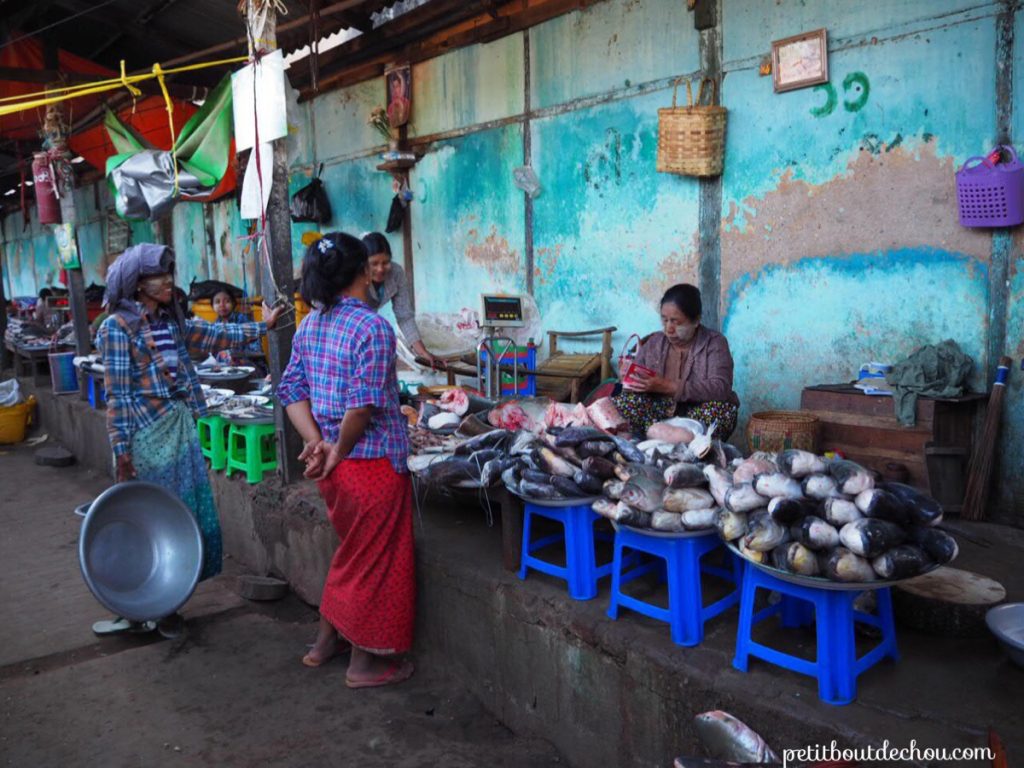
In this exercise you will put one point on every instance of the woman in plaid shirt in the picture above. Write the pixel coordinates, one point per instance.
(152, 387)
(341, 393)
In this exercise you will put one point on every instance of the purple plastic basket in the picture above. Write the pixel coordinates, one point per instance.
(991, 195)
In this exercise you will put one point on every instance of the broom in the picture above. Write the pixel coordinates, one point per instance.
(979, 474)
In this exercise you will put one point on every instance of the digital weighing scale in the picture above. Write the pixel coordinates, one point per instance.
(498, 311)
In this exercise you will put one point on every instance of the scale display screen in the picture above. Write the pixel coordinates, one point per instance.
(502, 311)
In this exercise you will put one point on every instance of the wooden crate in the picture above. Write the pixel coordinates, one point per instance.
(936, 450)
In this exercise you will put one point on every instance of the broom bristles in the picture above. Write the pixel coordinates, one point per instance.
(979, 473)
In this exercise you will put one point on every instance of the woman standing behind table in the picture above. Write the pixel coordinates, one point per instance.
(152, 387)
(340, 391)
(388, 283)
(693, 370)
(224, 303)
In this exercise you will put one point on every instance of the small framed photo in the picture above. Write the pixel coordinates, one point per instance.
(398, 81)
(800, 61)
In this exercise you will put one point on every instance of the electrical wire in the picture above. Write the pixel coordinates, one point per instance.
(93, 9)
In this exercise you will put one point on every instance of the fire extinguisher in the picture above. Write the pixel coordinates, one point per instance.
(46, 194)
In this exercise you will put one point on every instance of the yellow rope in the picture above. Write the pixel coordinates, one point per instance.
(170, 120)
(55, 95)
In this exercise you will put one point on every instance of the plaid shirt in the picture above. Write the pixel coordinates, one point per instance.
(140, 389)
(342, 358)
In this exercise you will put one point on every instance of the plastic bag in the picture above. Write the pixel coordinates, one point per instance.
(396, 215)
(310, 203)
(10, 393)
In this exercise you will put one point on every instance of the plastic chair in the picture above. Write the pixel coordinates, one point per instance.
(97, 392)
(252, 448)
(581, 571)
(686, 612)
(836, 666)
(213, 440)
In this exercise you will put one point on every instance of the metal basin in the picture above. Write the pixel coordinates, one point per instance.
(140, 550)
(1007, 624)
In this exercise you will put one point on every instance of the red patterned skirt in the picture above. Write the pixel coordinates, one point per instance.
(370, 592)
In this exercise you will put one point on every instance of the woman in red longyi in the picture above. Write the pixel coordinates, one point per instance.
(340, 391)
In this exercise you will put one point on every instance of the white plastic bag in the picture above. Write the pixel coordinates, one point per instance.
(10, 393)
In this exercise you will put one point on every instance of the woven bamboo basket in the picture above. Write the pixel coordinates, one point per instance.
(781, 430)
(691, 139)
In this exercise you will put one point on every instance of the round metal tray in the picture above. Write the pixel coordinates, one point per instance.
(665, 534)
(559, 502)
(820, 582)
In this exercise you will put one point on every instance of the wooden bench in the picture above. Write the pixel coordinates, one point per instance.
(562, 376)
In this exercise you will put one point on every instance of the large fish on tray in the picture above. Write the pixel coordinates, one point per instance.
(533, 490)
(699, 519)
(451, 471)
(551, 462)
(939, 545)
(796, 558)
(743, 498)
(870, 537)
(763, 533)
(815, 533)
(786, 511)
(683, 499)
(731, 525)
(800, 463)
(573, 436)
(600, 467)
(838, 511)
(777, 484)
(671, 522)
(844, 565)
(901, 562)
(644, 493)
(496, 439)
(622, 513)
(851, 477)
(877, 503)
(719, 482)
(592, 484)
(921, 508)
(684, 475)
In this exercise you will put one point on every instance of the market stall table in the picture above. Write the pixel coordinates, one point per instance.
(32, 356)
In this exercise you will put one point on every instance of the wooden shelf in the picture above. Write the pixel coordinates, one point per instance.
(392, 166)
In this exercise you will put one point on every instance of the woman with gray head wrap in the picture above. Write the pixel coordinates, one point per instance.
(153, 391)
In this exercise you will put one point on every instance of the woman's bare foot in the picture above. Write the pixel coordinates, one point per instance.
(366, 670)
(326, 647)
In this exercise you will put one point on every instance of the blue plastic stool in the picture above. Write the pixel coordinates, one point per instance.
(97, 392)
(686, 612)
(837, 665)
(581, 570)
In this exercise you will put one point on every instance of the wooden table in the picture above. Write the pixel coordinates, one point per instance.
(935, 451)
(35, 359)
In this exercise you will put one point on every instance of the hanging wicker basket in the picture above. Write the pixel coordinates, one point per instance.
(781, 430)
(691, 139)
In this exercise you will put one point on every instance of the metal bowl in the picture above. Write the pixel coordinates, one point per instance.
(140, 550)
(1007, 624)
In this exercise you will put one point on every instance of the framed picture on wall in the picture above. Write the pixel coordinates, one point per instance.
(398, 81)
(800, 61)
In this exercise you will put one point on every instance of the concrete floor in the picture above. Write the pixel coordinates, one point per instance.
(232, 693)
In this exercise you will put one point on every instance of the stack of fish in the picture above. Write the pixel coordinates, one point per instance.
(818, 517)
(477, 462)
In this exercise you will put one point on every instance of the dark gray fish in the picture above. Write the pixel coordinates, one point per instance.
(523, 442)
(551, 462)
(798, 463)
(496, 438)
(528, 460)
(629, 451)
(451, 471)
(869, 537)
(573, 436)
(786, 511)
(643, 493)
(613, 489)
(631, 470)
(536, 476)
(731, 525)
(699, 519)
(815, 533)
(743, 498)
(599, 467)
(796, 558)
(538, 490)
(851, 477)
(427, 412)
(626, 515)
(922, 509)
(604, 507)
(481, 457)
(511, 479)
(839, 511)
(493, 469)
(592, 484)
(684, 475)
(877, 503)
(567, 487)
(938, 545)
(682, 499)
(589, 448)
(844, 565)
(819, 486)
(901, 562)
(667, 521)
(763, 533)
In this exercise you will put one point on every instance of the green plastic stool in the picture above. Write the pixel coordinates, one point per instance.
(252, 448)
(213, 440)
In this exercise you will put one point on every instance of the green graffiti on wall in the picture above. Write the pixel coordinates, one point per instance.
(856, 88)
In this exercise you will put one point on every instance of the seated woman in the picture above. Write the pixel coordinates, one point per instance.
(693, 370)
(224, 303)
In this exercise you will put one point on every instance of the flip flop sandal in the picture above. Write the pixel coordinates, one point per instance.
(121, 626)
(397, 673)
(309, 661)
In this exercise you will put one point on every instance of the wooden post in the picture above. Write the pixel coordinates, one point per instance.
(281, 273)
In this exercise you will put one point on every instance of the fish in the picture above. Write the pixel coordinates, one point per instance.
(877, 503)
(535, 476)
(731, 525)
(751, 554)
(844, 565)
(777, 484)
(643, 493)
(667, 521)
(419, 462)
(726, 738)
(937, 544)
(699, 519)
(511, 480)
(683, 475)
(567, 487)
(901, 562)
(550, 461)
(786, 511)
(524, 442)
(815, 533)
(599, 467)
(818, 486)
(921, 508)
(589, 448)
(492, 470)
(570, 455)
(629, 451)
(763, 533)
(682, 499)
(797, 463)
(743, 498)
(532, 490)
(795, 557)
(631, 470)
(455, 401)
(481, 457)
(668, 433)
(613, 489)
(573, 436)
(750, 468)
(451, 471)
(427, 411)
(591, 484)
(869, 537)
(443, 420)
(700, 446)
(839, 511)
(625, 514)
(719, 481)
(851, 478)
